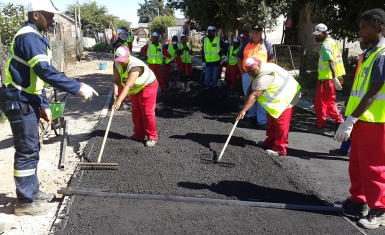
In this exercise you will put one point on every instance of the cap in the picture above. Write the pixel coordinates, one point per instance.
(226, 41)
(42, 5)
(252, 62)
(319, 28)
(235, 40)
(122, 53)
(257, 27)
(211, 28)
(155, 34)
(241, 35)
(182, 35)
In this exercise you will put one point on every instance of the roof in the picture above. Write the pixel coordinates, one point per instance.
(143, 25)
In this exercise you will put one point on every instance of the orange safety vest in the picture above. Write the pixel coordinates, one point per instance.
(251, 50)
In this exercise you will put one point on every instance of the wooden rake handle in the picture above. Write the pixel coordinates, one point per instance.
(105, 135)
(227, 141)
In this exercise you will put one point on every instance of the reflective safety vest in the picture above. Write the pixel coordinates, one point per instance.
(36, 84)
(130, 38)
(233, 60)
(172, 52)
(186, 57)
(251, 50)
(361, 85)
(120, 44)
(211, 49)
(281, 91)
(147, 77)
(154, 53)
(324, 72)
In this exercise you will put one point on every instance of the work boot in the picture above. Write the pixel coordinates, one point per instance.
(44, 197)
(151, 143)
(272, 153)
(373, 220)
(262, 145)
(316, 130)
(33, 208)
(355, 209)
(338, 152)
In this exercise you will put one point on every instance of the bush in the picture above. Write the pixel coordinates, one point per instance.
(101, 46)
(308, 81)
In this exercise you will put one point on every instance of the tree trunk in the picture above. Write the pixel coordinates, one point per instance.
(3, 60)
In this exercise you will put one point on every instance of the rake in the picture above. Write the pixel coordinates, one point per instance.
(98, 165)
(218, 160)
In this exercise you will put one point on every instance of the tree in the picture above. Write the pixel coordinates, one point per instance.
(161, 23)
(11, 20)
(150, 9)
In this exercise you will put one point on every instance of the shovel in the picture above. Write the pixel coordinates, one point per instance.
(218, 160)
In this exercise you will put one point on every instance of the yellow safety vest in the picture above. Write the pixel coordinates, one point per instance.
(324, 72)
(36, 84)
(172, 52)
(146, 78)
(361, 85)
(211, 49)
(154, 53)
(130, 38)
(233, 60)
(186, 57)
(120, 44)
(281, 91)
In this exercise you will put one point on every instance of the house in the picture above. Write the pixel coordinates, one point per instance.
(143, 31)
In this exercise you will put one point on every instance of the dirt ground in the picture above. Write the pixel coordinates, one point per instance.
(81, 117)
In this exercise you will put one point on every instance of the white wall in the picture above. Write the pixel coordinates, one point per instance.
(88, 42)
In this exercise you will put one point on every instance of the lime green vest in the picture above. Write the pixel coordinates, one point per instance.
(233, 60)
(186, 57)
(172, 52)
(154, 54)
(361, 85)
(281, 91)
(130, 38)
(324, 72)
(146, 78)
(36, 84)
(211, 49)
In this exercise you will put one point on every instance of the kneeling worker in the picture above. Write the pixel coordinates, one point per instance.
(277, 91)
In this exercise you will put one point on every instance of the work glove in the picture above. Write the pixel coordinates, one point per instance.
(204, 64)
(337, 84)
(344, 130)
(45, 116)
(86, 92)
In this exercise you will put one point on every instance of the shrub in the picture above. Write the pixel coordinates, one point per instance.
(101, 46)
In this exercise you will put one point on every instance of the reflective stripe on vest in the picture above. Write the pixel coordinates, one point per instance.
(24, 173)
(211, 49)
(324, 72)
(281, 91)
(146, 78)
(376, 112)
(251, 50)
(172, 52)
(186, 57)
(233, 60)
(154, 54)
(36, 84)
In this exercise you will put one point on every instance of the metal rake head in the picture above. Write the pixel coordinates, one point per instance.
(97, 166)
(222, 164)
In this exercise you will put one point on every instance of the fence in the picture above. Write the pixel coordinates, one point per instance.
(289, 57)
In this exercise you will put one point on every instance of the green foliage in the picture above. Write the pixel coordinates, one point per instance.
(160, 24)
(3, 118)
(150, 9)
(351, 63)
(11, 20)
(102, 47)
(308, 81)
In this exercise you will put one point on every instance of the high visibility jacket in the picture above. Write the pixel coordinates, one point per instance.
(251, 50)
(130, 38)
(361, 85)
(233, 60)
(146, 78)
(172, 52)
(186, 57)
(36, 84)
(324, 72)
(120, 44)
(281, 91)
(154, 53)
(211, 49)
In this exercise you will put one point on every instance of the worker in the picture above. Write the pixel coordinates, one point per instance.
(345, 146)
(330, 69)
(155, 53)
(23, 101)
(168, 64)
(241, 38)
(224, 59)
(365, 123)
(261, 49)
(141, 84)
(185, 53)
(130, 40)
(212, 50)
(278, 92)
(232, 70)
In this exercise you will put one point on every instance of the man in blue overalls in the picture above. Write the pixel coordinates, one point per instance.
(23, 101)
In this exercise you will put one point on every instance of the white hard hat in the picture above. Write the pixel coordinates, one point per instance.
(211, 28)
(42, 5)
(235, 40)
(319, 28)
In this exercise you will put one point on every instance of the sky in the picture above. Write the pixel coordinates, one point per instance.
(124, 9)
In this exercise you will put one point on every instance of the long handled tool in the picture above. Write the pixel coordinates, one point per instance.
(97, 165)
(218, 160)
